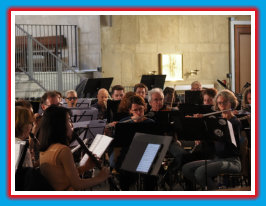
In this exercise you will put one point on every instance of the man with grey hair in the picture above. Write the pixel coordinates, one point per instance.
(196, 86)
(156, 99)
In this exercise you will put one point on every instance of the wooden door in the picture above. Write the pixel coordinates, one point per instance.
(242, 56)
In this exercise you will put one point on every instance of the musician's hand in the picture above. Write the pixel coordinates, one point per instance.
(89, 164)
(197, 142)
(198, 115)
(112, 124)
(103, 174)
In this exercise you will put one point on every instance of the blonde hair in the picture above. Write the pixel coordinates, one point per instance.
(23, 117)
(228, 96)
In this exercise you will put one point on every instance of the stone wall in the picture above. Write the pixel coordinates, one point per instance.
(130, 47)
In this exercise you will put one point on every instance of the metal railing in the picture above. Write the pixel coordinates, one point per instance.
(41, 63)
(61, 40)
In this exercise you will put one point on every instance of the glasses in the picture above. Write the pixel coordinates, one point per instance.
(222, 103)
(72, 98)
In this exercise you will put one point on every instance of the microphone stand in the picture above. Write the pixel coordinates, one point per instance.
(95, 160)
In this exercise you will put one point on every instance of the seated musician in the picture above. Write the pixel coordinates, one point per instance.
(33, 141)
(101, 104)
(226, 153)
(71, 98)
(137, 108)
(118, 92)
(141, 90)
(56, 160)
(23, 124)
(196, 86)
(156, 100)
(246, 102)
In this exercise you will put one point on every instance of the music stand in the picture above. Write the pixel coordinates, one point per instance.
(93, 85)
(190, 109)
(81, 114)
(146, 153)
(153, 81)
(193, 97)
(88, 129)
(208, 129)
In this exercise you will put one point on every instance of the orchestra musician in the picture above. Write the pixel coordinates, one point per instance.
(23, 124)
(101, 104)
(56, 160)
(71, 98)
(226, 156)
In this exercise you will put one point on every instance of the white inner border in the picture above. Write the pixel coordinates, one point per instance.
(140, 193)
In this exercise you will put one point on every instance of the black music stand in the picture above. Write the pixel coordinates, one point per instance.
(81, 114)
(153, 81)
(206, 129)
(190, 109)
(93, 85)
(193, 97)
(138, 160)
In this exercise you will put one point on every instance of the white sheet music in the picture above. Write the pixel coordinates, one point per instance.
(232, 135)
(18, 151)
(148, 157)
(98, 147)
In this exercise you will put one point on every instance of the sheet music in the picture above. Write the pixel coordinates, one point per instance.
(18, 151)
(231, 131)
(148, 157)
(98, 147)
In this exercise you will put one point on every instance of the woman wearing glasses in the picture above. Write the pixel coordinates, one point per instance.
(71, 98)
(226, 152)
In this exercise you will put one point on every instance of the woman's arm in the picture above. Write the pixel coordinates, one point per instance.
(66, 159)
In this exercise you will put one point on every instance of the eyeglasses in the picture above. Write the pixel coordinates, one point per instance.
(72, 98)
(222, 103)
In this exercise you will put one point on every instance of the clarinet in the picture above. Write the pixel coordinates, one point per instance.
(95, 160)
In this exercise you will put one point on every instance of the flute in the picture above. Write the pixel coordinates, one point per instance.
(218, 112)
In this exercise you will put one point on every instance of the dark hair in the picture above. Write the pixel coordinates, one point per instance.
(210, 92)
(53, 127)
(48, 94)
(140, 85)
(23, 103)
(117, 87)
(136, 100)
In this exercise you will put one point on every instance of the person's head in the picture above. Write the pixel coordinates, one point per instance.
(118, 92)
(56, 127)
(59, 95)
(208, 96)
(196, 86)
(124, 104)
(48, 99)
(23, 122)
(102, 96)
(137, 106)
(24, 103)
(156, 99)
(71, 98)
(141, 90)
(169, 95)
(225, 100)
(247, 97)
